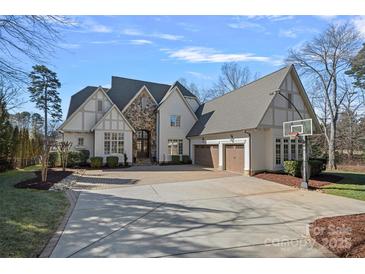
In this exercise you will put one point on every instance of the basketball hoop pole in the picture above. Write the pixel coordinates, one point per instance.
(304, 183)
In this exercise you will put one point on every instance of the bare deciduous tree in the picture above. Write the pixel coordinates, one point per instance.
(232, 77)
(63, 148)
(33, 37)
(324, 60)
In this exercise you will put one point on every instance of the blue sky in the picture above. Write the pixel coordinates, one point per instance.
(166, 48)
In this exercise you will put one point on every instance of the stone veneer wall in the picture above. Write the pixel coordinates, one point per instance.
(143, 119)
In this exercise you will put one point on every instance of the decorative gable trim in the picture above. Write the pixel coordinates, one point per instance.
(181, 96)
(107, 113)
(136, 96)
(83, 104)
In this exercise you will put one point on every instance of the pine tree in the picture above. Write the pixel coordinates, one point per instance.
(44, 93)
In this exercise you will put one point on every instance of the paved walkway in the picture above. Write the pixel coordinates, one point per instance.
(235, 216)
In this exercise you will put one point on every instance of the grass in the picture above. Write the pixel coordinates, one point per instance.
(352, 185)
(28, 218)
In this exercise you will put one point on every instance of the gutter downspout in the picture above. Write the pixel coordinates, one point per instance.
(250, 152)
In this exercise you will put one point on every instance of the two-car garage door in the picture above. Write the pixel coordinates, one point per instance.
(207, 155)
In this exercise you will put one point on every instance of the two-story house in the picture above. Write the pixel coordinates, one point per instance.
(240, 131)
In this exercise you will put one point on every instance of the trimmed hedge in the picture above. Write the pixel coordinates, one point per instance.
(5, 165)
(294, 168)
(175, 159)
(54, 159)
(96, 162)
(73, 159)
(84, 156)
(186, 159)
(112, 161)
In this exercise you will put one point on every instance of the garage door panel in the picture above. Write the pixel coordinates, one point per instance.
(206, 155)
(234, 158)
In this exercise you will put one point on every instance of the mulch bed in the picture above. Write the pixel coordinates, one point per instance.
(54, 176)
(314, 183)
(343, 235)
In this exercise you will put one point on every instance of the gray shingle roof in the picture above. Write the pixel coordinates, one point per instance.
(240, 109)
(78, 98)
(123, 90)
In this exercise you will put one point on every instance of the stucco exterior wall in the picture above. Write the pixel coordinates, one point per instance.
(221, 140)
(99, 145)
(87, 116)
(88, 140)
(279, 112)
(174, 105)
(193, 103)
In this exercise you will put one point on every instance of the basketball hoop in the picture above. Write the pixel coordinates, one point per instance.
(294, 135)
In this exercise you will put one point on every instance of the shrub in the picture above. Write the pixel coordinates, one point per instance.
(175, 159)
(322, 160)
(96, 162)
(112, 161)
(5, 165)
(73, 159)
(316, 167)
(54, 159)
(293, 168)
(84, 156)
(186, 159)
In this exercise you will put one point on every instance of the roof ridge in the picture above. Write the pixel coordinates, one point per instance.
(258, 79)
(141, 80)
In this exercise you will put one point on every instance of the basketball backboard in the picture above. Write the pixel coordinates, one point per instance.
(302, 127)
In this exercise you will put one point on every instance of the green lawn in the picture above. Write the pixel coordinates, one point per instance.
(28, 218)
(351, 186)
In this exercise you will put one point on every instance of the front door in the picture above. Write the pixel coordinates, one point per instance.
(143, 144)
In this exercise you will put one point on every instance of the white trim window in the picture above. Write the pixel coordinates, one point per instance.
(100, 105)
(80, 141)
(144, 101)
(278, 151)
(286, 149)
(175, 147)
(175, 120)
(113, 143)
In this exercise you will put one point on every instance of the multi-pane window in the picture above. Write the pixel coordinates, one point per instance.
(113, 142)
(300, 151)
(175, 147)
(278, 151)
(80, 141)
(175, 120)
(293, 150)
(286, 149)
(100, 105)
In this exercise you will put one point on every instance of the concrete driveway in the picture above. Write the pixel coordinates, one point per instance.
(231, 216)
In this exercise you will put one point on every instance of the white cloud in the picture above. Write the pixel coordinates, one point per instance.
(105, 42)
(327, 18)
(69, 46)
(273, 18)
(209, 55)
(132, 32)
(164, 36)
(199, 75)
(91, 25)
(246, 25)
(295, 32)
(140, 42)
(359, 23)
(290, 33)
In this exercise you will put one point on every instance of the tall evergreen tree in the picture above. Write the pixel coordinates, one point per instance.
(44, 93)
(357, 69)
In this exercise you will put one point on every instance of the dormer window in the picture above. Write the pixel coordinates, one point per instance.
(100, 105)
